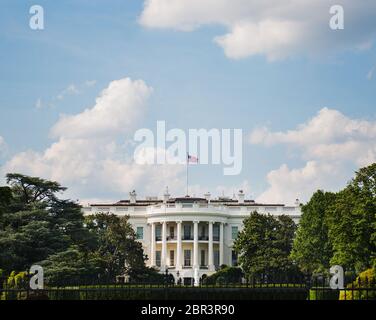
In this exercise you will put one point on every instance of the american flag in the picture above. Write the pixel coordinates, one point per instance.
(192, 159)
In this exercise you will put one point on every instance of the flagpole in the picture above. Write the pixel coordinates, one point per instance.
(187, 172)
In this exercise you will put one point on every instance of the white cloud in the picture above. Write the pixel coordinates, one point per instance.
(276, 29)
(329, 135)
(286, 185)
(68, 91)
(330, 143)
(270, 36)
(86, 157)
(116, 110)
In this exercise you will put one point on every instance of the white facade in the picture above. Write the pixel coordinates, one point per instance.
(189, 236)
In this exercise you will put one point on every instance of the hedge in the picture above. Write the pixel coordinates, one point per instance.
(323, 294)
(366, 279)
(176, 293)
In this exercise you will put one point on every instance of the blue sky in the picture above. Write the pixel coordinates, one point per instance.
(196, 84)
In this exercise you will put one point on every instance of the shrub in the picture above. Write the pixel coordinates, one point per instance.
(225, 275)
(131, 292)
(366, 279)
(16, 281)
(323, 294)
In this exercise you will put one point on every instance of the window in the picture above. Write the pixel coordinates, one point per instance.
(234, 258)
(203, 235)
(202, 262)
(216, 258)
(234, 232)
(172, 257)
(216, 232)
(158, 258)
(140, 233)
(187, 258)
(172, 233)
(158, 233)
(203, 231)
(187, 232)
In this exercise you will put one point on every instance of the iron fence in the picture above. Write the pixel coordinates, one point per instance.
(317, 289)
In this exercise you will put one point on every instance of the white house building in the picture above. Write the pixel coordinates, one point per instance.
(190, 236)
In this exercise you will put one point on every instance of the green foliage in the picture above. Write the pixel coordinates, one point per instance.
(312, 249)
(339, 228)
(117, 245)
(32, 190)
(366, 279)
(352, 222)
(225, 275)
(323, 294)
(72, 266)
(16, 280)
(149, 275)
(38, 227)
(264, 246)
(130, 292)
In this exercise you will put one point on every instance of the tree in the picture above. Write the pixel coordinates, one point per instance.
(117, 245)
(30, 243)
(312, 249)
(340, 228)
(352, 222)
(264, 246)
(31, 190)
(226, 275)
(73, 267)
(5, 201)
(351, 228)
(35, 223)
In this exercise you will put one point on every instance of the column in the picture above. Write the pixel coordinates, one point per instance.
(164, 246)
(210, 248)
(195, 254)
(152, 245)
(179, 249)
(221, 238)
(195, 244)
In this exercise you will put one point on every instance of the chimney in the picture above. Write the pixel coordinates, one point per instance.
(207, 196)
(241, 196)
(132, 196)
(166, 196)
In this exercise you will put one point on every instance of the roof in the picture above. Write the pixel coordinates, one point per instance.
(186, 199)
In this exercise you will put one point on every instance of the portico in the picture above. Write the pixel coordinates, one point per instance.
(188, 246)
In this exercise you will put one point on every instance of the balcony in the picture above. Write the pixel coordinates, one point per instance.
(187, 237)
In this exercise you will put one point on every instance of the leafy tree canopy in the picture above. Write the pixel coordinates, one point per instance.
(38, 227)
(264, 246)
(312, 249)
